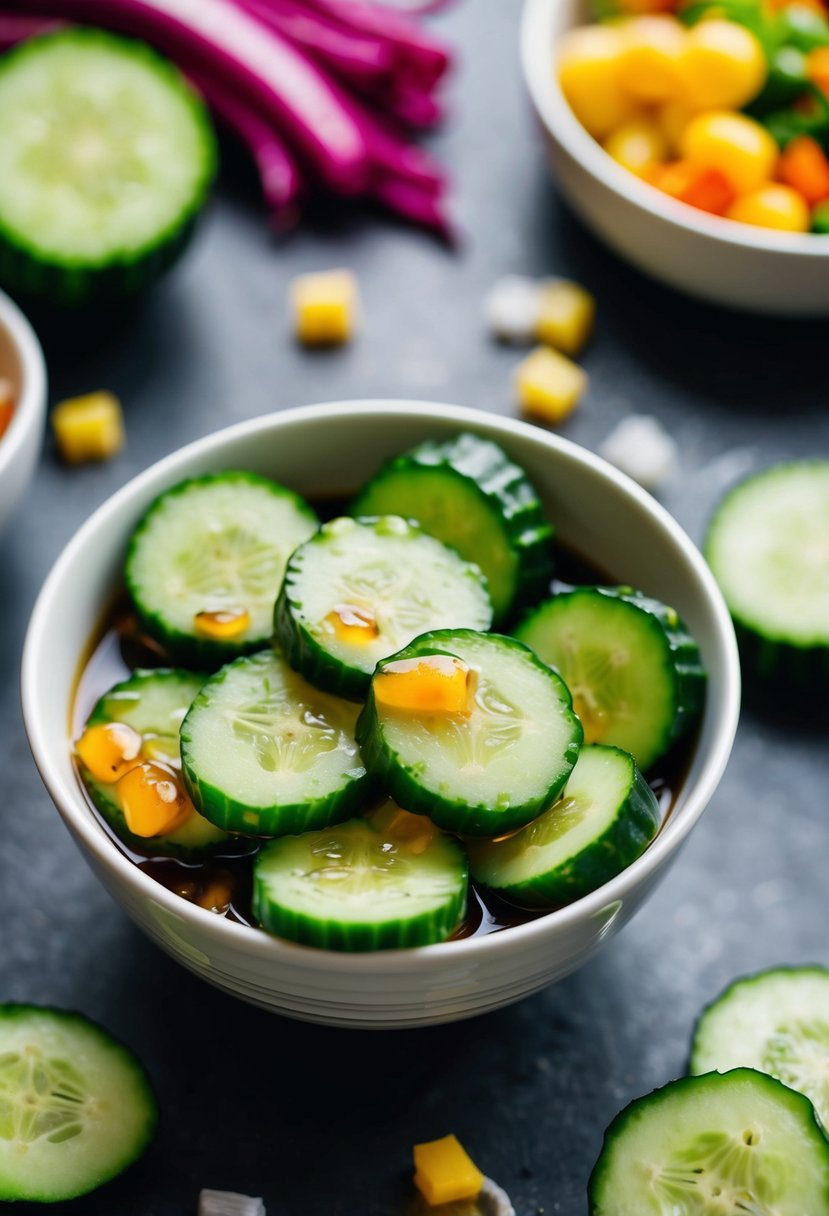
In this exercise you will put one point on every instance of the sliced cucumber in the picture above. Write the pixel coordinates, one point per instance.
(384, 572)
(76, 1107)
(154, 704)
(605, 818)
(469, 494)
(768, 546)
(361, 886)
(106, 159)
(265, 754)
(777, 1022)
(492, 768)
(632, 667)
(214, 544)
(717, 1145)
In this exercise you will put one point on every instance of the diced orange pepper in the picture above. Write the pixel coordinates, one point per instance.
(223, 624)
(7, 399)
(805, 167)
(434, 684)
(350, 623)
(152, 800)
(109, 750)
(707, 189)
(444, 1172)
(817, 67)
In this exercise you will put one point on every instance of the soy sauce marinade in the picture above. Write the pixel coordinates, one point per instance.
(222, 883)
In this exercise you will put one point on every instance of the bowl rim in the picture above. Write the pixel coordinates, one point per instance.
(30, 406)
(561, 122)
(73, 808)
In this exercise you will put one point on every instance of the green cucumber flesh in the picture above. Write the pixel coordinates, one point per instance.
(777, 1022)
(605, 818)
(469, 494)
(266, 754)
(106, 159)
(722, 1144)
(76, 1107)
(355, 887)
(214, 543)
(488, 771)
(406, 580)
(633, 669)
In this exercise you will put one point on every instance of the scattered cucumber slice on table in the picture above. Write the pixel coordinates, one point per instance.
(493, 766)
(768, 546)
(717, 1145)
(777, 1022)
(362, 885)
(633, 669)
(605, 818)
(359, 590)
(205, 564)
(76, 1107)
(469, 494)
(106, 159)
(265, 754)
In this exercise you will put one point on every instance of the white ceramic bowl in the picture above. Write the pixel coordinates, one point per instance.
(335, 447)
(21, 361)
(728, 263)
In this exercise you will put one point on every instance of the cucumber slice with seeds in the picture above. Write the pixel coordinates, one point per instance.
(632, 667)
(361, 886)
(469, 494)
(605, 818)
(360, 589)
(489, 770)
(265, 754)
(76, 1107)
(776, 1021)
(106, 159)
(716, 1145)
(212, 545)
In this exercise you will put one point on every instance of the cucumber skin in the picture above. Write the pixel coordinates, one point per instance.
(74, 283)
(507, 490)
(405, 790)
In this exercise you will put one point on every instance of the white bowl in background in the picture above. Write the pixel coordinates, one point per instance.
(739, 265)
(334, 448)
(21, 361)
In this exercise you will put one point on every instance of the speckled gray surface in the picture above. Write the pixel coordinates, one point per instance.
(321, 1122)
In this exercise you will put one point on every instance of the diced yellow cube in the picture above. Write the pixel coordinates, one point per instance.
(549, 385)
(444, 1171)
(89, 427)
(566, 315)
(325, 307)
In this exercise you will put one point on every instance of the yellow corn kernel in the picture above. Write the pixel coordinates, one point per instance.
(352, 624)
(638, 146)
(649, 66)
(565, 316)
(549, 385)
(325, 307)
(434, 684)
(723, 65)
(223, 624)
(742, 149)
(89, 427)
(588, 72)
(109, 750)
(444, 1172)
(152, 800)
(772, 206)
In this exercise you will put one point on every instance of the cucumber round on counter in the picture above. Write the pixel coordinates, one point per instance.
(77, 1107)
(777, 1022)
(716, 1145)
(469, 494)
(482, 763)
(605, 818)
(205, 564)
(106, 159)
(768, 546)
(265, 754)
(633, 669)
(153, 704)
(359, 590)
(362, 885)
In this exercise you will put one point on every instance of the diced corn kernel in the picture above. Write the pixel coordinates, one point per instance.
(434, 684)
(7, 400)
(109, 750)
(638, 146)
(325, 307)
(640, 446)
(511, 308)
(152, 800)
(567, 315)
(649, 66)
(352, 624)
(549, 385)
(723, 66)
(222, 624)
(444, 1172)
(772, 206)
(588, 72)
(89, 427)
(738, 146)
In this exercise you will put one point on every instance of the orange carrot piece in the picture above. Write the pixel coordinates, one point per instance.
(817, 67)
(805, 167)
(6, 411)
(706, 189)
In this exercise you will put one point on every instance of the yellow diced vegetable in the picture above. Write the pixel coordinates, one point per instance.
(638, 146)
(772, 206)
(549, 385)
(152, 800)
(222, 625)
(435, 684)
(588, 72)
(109, 750)
(89, 427)
(352, 624)
(739, 147)
(566, 315)
(723, 65)
(325, 307)
(649, 66)
(444, 1172)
